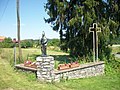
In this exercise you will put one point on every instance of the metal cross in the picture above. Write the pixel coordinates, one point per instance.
(94, 30)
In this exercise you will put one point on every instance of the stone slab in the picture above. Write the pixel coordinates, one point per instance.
(21, 66)
(39, 58)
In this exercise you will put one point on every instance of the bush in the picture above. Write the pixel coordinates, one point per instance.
(54, 42)
(116, 40)
(0, 50)
(112, 66)
(27, 43)
(7, 43)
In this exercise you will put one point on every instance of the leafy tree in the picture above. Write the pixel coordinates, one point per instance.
(74, 17)
(54, 42)
(8, 40)
(36, 43)
(27, 43)
(7, 43)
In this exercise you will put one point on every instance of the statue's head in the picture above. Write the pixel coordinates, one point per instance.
(43, 34)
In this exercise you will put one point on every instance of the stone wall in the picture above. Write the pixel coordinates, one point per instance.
(46, 71)
(84, 70)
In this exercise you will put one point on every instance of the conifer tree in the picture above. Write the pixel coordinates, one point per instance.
(72, 19)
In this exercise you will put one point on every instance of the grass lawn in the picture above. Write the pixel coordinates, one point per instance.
(11, 79)
(115, 49)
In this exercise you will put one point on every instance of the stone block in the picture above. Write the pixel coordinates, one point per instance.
(38, 73)
(37, 63)
(43, 73)
(46, 63)
(45, 76)
(40, 59)
(47, 66)
(52, 62)
(47, 60)
(44, 70)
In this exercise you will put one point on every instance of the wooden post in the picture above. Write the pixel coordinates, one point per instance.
(14, 55)
(95, 29)
(18, 31)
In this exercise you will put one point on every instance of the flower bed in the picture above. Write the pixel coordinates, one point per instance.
(31, 64)
(68, 66)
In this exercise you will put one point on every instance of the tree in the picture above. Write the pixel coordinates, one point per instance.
(7, 43)
(54, 42)
(27, 43)
(73, 18)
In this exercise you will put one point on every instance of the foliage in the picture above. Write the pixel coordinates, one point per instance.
(116, 41)
(7, 43)
(74, 17)
(36, 43)
(27, 43)
(54, 42)
(112, 66)
(0, 50)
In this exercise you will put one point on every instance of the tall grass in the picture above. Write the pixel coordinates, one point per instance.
(115, 49)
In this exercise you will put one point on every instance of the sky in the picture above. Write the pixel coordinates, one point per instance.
(32, 14)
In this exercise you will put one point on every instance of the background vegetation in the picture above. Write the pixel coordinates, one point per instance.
(28, 43)
(7, 43)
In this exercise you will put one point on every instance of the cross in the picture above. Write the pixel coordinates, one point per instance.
(95, 29)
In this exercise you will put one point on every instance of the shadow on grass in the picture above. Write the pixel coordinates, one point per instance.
(62, 59)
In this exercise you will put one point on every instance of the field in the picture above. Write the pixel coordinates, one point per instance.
(12, 79)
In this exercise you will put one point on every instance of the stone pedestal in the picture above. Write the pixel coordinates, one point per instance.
(45, 68)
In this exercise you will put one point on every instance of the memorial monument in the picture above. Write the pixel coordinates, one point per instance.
(45, 63)
(95, 29)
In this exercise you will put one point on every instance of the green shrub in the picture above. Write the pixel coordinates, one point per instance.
(7, 43)
(54, 42)
(27, 43)
(112, 66)
(0, 50)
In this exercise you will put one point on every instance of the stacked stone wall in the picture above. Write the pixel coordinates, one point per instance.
(45, 68)
(86, 70)
(46, 71)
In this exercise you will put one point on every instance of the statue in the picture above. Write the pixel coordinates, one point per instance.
(43, 44)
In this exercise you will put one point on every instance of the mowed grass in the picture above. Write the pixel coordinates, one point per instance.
(12, 79)
(115, 49)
